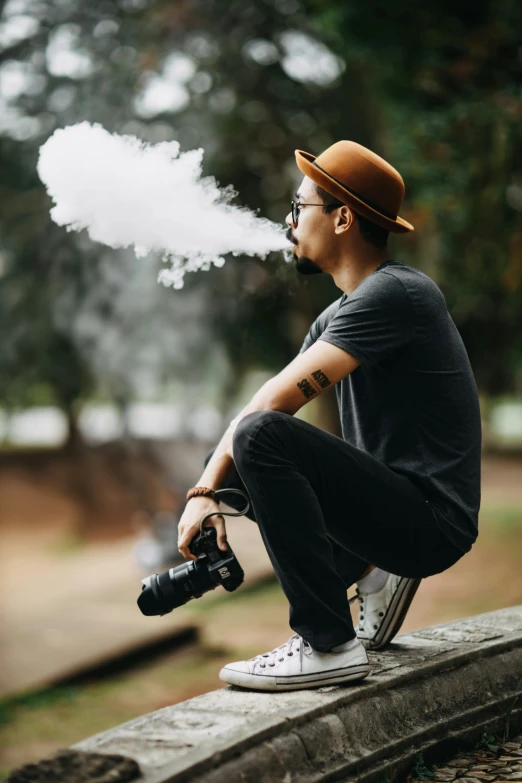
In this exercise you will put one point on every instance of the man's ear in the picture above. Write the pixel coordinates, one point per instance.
(344, 220)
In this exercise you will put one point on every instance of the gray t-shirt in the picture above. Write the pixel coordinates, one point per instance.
(412, 402)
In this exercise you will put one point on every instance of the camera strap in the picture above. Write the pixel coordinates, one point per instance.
(227, 513)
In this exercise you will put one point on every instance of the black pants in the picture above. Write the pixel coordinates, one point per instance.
(326, 510)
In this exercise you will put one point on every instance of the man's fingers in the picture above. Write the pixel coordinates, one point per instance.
(183, 548)
(187, 554)
(221, 534)
(219, 524)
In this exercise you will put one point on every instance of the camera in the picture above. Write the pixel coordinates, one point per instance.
(161, 593)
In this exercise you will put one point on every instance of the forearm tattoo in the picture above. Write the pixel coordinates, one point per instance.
(311, 385)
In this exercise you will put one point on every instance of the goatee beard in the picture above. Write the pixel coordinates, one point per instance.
(305, 266)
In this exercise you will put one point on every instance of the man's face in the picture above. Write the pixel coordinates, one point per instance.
(312, 236)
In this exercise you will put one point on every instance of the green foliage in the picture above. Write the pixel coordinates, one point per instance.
(39, 363)
(489, 742)
(37, 700)
(419, 769)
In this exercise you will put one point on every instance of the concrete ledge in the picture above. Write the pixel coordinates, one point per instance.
(430, 692)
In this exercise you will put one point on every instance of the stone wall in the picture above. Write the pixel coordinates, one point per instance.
(430, 692)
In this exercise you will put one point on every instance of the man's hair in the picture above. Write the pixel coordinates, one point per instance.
(371, 232)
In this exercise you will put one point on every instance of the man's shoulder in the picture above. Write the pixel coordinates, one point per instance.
(409, 276)
(419, 286)
(380, 289)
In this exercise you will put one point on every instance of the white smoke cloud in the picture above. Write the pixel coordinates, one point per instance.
(127, 193)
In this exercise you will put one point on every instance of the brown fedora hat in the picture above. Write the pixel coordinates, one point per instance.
(360, 179)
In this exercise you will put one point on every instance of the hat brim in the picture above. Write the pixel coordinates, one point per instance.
(305, 163)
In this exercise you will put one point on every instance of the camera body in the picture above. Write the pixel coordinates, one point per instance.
(161, 593)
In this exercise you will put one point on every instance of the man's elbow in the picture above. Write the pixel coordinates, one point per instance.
(275, 399)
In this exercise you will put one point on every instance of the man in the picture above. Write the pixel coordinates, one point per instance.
(397, 498)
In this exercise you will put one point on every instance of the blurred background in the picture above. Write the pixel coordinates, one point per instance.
(113, 388)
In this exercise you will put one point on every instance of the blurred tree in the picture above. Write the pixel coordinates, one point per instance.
(73, 316)
(39, 364)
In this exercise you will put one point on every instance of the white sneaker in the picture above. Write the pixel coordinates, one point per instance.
(381, 614)
(295, 665)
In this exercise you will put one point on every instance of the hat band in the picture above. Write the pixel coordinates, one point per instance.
(366, 201)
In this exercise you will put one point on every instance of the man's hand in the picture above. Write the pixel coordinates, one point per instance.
(189, 524)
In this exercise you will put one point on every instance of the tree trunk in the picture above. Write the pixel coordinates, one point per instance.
(81, 478)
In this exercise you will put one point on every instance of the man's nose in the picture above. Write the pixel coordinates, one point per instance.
(289, 221)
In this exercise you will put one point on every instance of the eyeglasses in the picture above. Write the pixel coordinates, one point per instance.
(296, 206)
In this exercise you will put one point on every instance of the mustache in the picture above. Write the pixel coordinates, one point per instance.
(291, 237)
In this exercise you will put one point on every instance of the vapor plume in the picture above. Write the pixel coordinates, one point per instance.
(127, 193)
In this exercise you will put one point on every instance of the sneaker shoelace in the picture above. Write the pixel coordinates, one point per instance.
(360, 598)
(296, 644)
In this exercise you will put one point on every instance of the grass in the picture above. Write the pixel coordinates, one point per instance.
(503, 519)
(66, 544)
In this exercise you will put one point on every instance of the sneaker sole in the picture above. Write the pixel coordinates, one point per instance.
(266, 682)
(395, 615)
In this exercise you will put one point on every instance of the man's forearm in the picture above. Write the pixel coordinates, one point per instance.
(221, 463)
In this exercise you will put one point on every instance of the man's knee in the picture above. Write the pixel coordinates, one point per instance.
(249, 427)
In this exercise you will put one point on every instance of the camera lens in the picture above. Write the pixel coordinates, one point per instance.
(161, 593)
(149, 598)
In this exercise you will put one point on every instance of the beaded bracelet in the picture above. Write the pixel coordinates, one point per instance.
(202, 492)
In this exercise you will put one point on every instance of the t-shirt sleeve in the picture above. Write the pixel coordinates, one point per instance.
(376, 320)
(319, 325)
